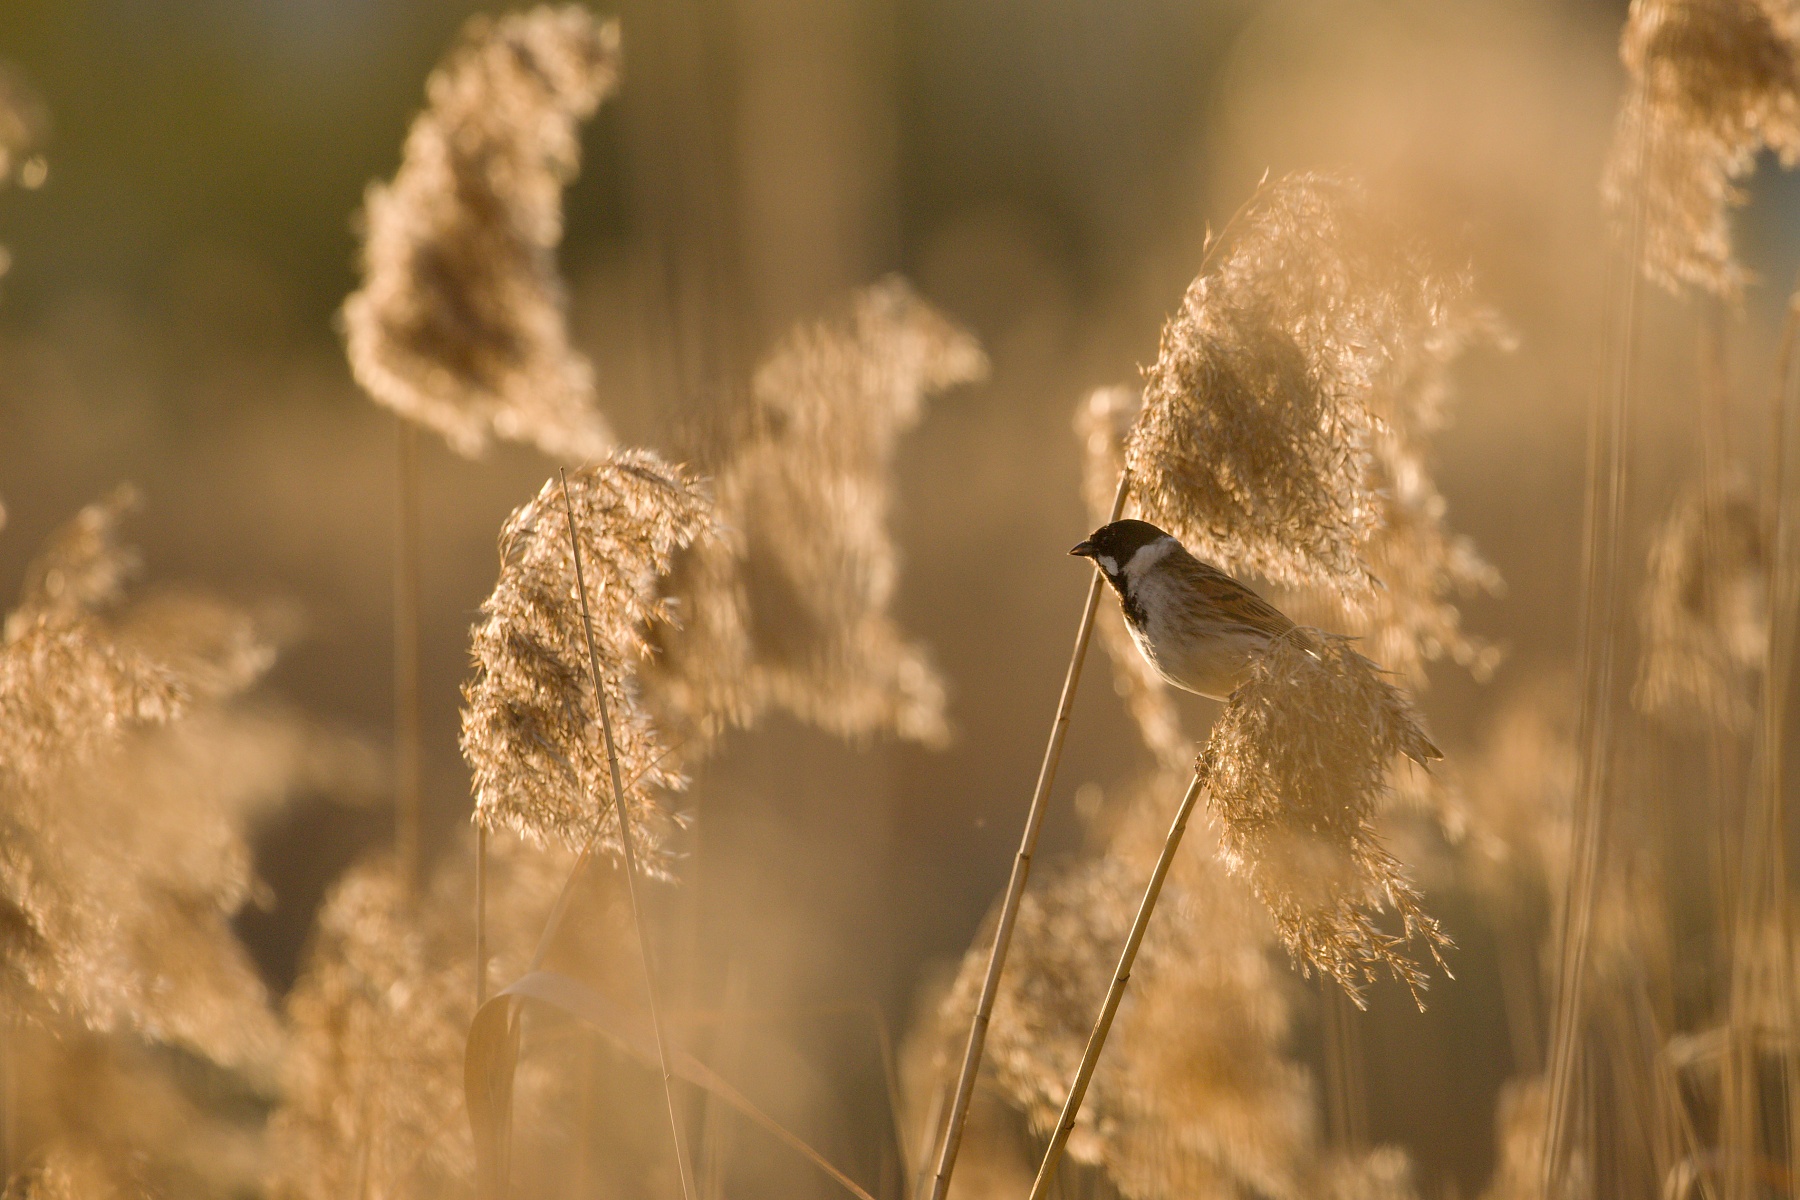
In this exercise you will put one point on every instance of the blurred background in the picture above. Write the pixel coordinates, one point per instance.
(1044, 173)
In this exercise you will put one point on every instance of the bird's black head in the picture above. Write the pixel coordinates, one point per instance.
(1111, 546)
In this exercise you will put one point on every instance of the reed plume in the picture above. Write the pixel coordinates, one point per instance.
(1384, 1173)
(373, 1082)
(460, 322)
(530, 730)
(1295, 769)
(1197, 1096)
(1275, 378)
(789, 610)
(1713, 84)
(1705, 613)
(130, 780)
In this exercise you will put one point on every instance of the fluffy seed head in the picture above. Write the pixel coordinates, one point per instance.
(1295, 768)
(1713, 83)
(790, 610)
(1704, 611)
(1274, 378)
(531, 733)
(460, 323)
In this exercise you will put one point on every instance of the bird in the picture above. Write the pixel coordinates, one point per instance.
(1198, 627)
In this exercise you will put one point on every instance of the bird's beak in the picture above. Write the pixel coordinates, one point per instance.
(1084, 550)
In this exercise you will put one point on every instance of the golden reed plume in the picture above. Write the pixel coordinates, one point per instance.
(1713, 83)
(1295, 770)
(530, 731)
(1705, 612)
(789, 610)
(459, 324)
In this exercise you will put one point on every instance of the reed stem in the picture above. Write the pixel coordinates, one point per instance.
(631, 871)
(1015, 886)
(1090, 1058)
(407, 754)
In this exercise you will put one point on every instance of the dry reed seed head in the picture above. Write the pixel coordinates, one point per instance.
(1713, 83)
(128, 792)
(531, 732)
(373, 1081)
(1383, 1173)
(1704, 611)
(790, 610)
(1295, 769)
(1520, 785)
(1195, 1095)
(461, 322)
(83, 568)
(1275, 376)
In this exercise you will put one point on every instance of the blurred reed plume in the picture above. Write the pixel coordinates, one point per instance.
(373, 1082)
(1275, 378)
(1713, 83)
(1295, 769)
(530, 730)
(1384, 1173)
(459, 324)
(1704, 611)
(1197, 1096)
(127, 851)
(132, 773)
(789, 609)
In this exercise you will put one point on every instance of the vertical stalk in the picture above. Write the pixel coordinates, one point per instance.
(406, 656)
(1015, 886)
(1602, 538)
(1090, 1057)
(481, 889)
(631, 870)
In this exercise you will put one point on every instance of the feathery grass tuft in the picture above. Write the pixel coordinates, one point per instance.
(530, 732)
(1295, 768)
(460, 322)
(789, 610)
(1274, 378)
(1705, 612)
(1713, 83)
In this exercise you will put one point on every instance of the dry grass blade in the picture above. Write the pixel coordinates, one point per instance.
(460, 322)
(530, 730)
(1714, 82)
(1295, 768)
(790, 611)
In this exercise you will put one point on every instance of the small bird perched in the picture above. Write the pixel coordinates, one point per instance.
(1201, 629)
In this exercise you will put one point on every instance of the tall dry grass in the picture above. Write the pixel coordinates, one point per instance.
(495, 1019)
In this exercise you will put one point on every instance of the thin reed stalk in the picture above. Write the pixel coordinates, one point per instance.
(1090, 1057)
(1015, 886)
(630, 855)
(407, 755)
(1602, 539)
(1346, 1092)
(481, 890)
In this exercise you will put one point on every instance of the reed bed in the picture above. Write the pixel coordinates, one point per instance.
(1589, 853)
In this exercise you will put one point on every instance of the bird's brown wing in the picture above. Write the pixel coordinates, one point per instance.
(1222, 598)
